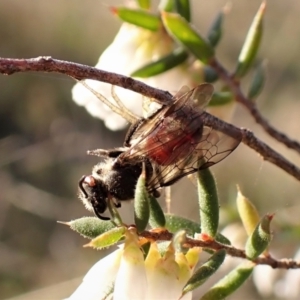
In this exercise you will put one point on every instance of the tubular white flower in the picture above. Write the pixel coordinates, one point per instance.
(131, 280)
(126, 275)
(132, 48)
(99, 281)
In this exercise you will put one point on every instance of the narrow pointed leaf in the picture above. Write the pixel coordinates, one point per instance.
(260, 238)
(144, 4)
(138, 17)
(221, 98)
(115, 216)
(108, 238)
(157, 217)
(166, 5)
(162, 65)
(258, 82)
(178, 240)
(90, 227)
(251, 44)
(210, 75)
(215, 31)
(182, 7)
(248, 213)
(205, 271)
(175, 223)
(230, 283)
(208, 202)
(141, 204)
(187, 36)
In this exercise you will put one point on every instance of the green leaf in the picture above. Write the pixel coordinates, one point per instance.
(108, 238)
(90, 227)
(202, 94)
(205, 271)
(248, 213)
(138, 17)
(251, 44)
(260, 238)
(187, 36)
(182, 7)
(221, 98)
(157, 217)
(210, 75)
(215, 31)
(166, 5)
(144, 4)
(208, 202)
(162, 65)
(222, 239)
(258, 82)
(230, 283)
(175, 223)
(178, 240)
(141, 204)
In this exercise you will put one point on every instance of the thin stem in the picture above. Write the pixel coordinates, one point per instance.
(165, 235)
(241, 98)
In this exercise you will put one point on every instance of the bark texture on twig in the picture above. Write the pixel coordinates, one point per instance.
(9, 66)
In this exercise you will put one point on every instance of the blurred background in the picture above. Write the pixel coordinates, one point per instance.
(44, 137)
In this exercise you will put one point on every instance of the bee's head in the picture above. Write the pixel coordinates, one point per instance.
(93, 193)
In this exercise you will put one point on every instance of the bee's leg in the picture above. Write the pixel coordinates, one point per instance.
(131, 131)
(106, 153)
(98, 210)
(148, 167)
(117, 204)
(155, 193)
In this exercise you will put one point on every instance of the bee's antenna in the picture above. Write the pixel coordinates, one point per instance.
(80, 185)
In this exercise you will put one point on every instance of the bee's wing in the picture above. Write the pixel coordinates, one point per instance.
(201, 94)
(211, 149)
(198, 97)
(190, 146)
(143, 129)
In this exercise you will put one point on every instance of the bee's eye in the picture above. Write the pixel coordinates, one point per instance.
(90, 181)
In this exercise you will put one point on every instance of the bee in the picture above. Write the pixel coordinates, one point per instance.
(172, 143)
(111, 178)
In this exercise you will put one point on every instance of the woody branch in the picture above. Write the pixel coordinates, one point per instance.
(252, 108)
(9, 66)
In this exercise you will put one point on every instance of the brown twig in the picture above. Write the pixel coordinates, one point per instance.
(241, 98)
(10, 66)
(165, 235)
(249, 139)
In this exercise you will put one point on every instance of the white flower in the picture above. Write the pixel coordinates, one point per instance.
(125, 274)
(132, 48)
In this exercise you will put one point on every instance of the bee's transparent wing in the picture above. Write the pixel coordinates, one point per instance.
(213, 147)
(138, 140)
(175, 140)
(142, 130)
